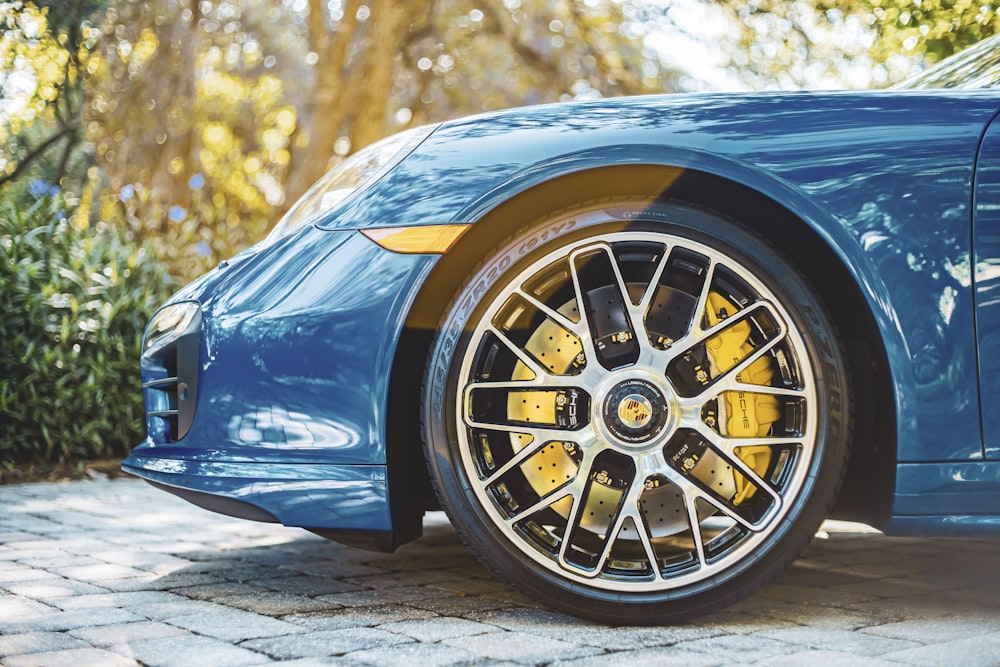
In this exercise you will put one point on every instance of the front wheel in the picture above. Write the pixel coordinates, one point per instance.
(636, 414)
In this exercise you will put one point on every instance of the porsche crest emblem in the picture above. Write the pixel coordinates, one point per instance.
(635, 410)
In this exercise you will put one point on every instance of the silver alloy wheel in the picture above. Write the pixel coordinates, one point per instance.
(653, 437)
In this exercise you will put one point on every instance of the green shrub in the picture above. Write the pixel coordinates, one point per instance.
(73, 306)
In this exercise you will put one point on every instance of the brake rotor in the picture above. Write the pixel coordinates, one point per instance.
(741, 415)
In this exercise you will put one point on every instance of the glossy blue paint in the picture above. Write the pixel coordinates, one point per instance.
(308, 495)
(986, 228)
(298, 337)
(294, 367)
(955, 488)
(975, 525)
(296, 349)
(884, 178)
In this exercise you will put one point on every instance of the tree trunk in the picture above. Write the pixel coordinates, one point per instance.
(387, 26)
(323, 121)
(351, 98)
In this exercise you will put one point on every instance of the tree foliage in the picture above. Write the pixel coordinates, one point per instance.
(191, 117)
(210, 117)
(44, 56)
(207, 118)
(75, 306)
(830, 43)
(929, 29)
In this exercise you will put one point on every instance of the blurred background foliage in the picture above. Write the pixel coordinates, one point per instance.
(191, 124)
(149, 139)
(75, 303)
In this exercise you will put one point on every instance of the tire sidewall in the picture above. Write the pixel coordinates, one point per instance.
(795, 528)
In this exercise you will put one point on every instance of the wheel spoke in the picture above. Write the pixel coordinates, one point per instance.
(576, 328)
(698, 392)
(727, 444)
(725, 448)
(519, 457)
(521, 355)
(691, 505)
(572, 524)
(727, 380)
(649, 355)
(642, 530)
(604, 293)
(737, 463)
(543, 434)
(633, 312)
(585, 319)
(696, 492)
(654, 282)
(598, 514)
(514, 385)
(578, 489)
(696, 327)
(692, 491)
(736, 385)
(545, 501)
(703, 335)
(627, 509)
(574, 488)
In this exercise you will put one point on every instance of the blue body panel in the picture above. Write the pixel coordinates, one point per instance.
(930, 488)
(956, 498)
(299, 337)
(294, 368)
(349, 497)
(885, 179)
(987, 262)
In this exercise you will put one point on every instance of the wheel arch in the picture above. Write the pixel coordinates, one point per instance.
(868, 488)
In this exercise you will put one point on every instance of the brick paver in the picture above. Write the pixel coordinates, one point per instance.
(118, 573)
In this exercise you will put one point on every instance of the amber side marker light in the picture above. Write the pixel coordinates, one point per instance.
(426, 239)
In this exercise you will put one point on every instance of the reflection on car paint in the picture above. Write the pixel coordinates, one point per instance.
(280, 342)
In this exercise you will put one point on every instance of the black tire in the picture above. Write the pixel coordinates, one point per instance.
(576, 454)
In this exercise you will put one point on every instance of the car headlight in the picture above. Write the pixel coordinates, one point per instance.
(349, 177)
(170, 323)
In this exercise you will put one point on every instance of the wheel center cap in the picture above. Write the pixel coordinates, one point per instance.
(635, 411)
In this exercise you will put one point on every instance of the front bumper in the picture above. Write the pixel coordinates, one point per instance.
(318, 497)
(286, 408)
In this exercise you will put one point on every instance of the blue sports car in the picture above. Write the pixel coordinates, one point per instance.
(637, 349)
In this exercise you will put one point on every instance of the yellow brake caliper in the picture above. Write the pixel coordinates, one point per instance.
(747, 414)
